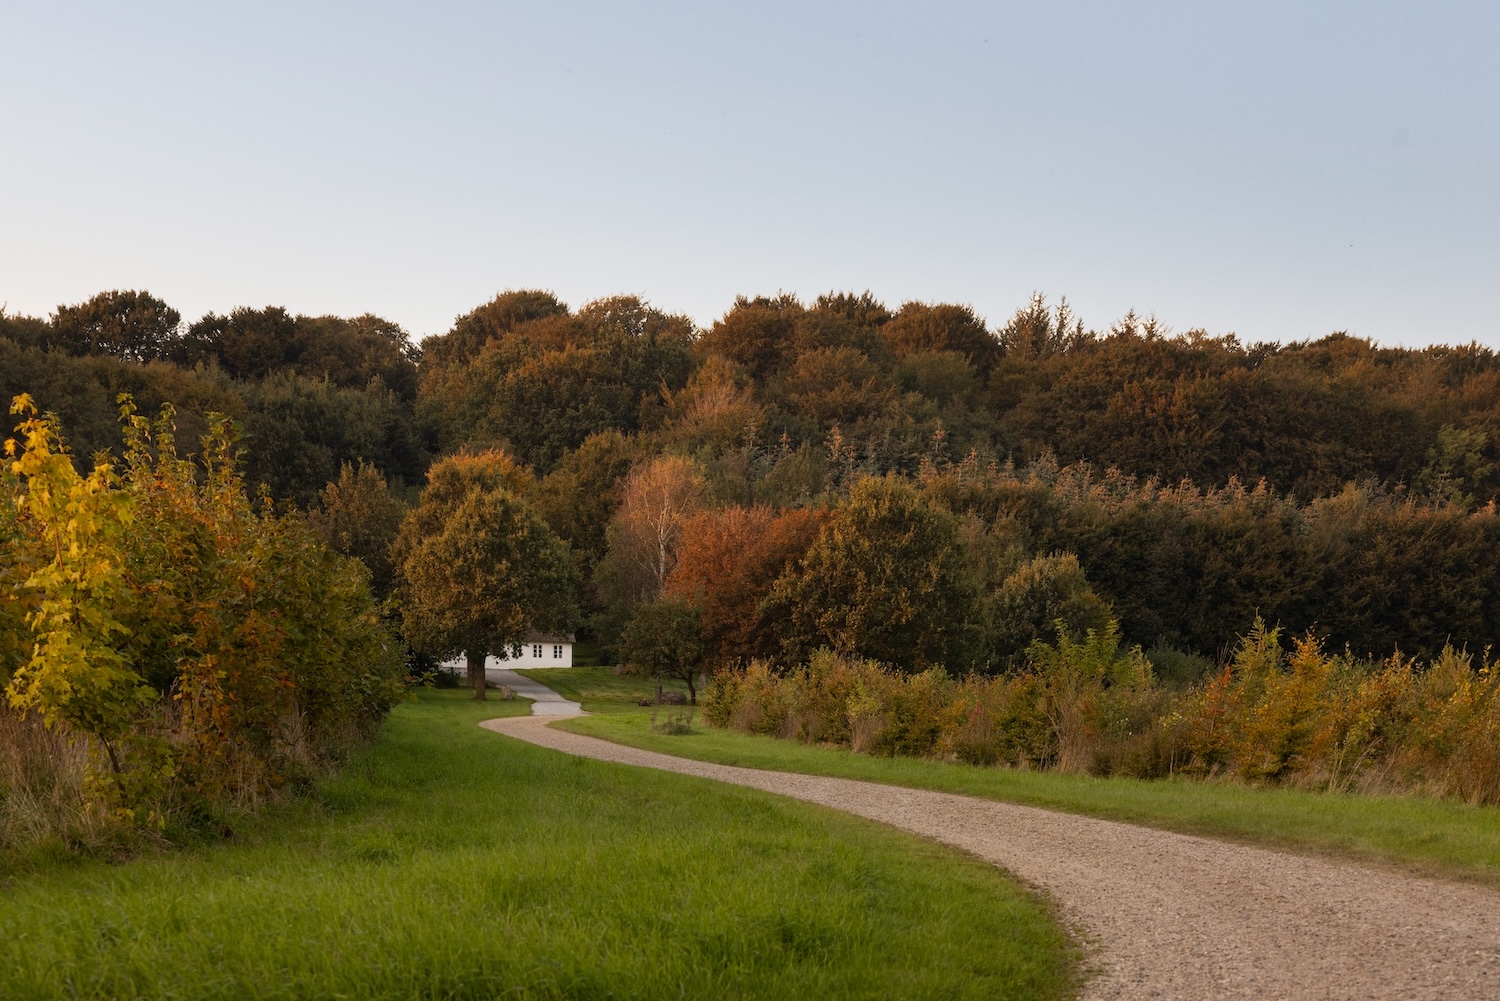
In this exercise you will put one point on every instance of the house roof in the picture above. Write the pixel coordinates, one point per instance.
(533, 636)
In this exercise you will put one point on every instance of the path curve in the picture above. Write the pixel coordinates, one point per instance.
(544, 701)
(1170, 916)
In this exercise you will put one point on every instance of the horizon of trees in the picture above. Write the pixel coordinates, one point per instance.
(1193, 481)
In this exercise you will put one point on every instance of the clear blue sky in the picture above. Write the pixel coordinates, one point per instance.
(1279, 170)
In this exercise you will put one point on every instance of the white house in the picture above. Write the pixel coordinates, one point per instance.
(536, 650)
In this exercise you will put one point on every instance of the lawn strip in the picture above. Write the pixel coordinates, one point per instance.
(1429, 836)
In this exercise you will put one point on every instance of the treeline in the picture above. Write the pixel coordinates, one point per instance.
(964, 568)
(309, 393)
(1179, 484)
(890, 387)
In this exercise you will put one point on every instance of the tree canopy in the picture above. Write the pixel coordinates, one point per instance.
(478, 572)
(885, 579)
(1196, 478)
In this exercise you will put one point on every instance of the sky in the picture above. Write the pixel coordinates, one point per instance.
(1275, 170)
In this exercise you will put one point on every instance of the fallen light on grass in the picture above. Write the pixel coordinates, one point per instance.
(451, 862)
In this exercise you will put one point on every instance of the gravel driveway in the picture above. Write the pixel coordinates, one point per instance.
(1169, 915)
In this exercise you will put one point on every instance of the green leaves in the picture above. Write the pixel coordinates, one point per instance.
(479, 568)
(885, 579)
(208, 650)
(662, 641)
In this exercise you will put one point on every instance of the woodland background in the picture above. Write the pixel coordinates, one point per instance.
(1120, 550)
(1330, 485)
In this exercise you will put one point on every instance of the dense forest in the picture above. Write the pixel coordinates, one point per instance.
(1185, 483)
(905, 530)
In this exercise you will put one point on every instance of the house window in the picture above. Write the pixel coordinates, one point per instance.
(557, 653)
(536, 651)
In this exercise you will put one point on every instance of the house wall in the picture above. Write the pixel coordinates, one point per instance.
(552, 655)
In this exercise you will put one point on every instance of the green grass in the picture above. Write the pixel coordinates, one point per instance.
(1436, 837)
(451, 862)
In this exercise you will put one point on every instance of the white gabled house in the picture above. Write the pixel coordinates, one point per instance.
(536, 650)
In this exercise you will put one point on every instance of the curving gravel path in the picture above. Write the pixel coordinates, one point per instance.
(544, 701)
(1169, 915)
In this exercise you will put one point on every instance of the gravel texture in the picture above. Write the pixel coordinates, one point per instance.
(1168, 915)
(544, 701)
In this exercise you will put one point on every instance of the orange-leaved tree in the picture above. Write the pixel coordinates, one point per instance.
(726, 565)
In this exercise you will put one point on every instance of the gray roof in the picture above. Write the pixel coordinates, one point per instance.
(532, 636)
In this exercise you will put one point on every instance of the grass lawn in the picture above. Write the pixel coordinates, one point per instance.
(1438, 837)
(451, 862)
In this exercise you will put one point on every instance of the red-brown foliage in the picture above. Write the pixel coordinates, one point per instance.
(726, 565)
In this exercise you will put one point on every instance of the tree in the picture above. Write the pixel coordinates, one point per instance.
(76, 674)
(1037, 331)
(358, 516)
(658, 498)
(1045, 599)
(922, 327)
(450, 481)
(886, 580)
(662, 641)
(756, 334)
(490, 572)
(552, 402)
(133, 326)
(301, 430)
(726, 566)
(353, 351)
(836, 386)
(715, 409)
(495, 319)
(1456, 465)
(18, 328)
(578, 497)
(248, 343)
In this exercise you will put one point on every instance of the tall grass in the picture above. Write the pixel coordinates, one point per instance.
(450, 862)
(43, 802)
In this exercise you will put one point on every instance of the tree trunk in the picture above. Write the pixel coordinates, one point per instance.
(476, 673)
(692, 692)
(658, 694)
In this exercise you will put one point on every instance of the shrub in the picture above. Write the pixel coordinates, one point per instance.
(1086, 705)
(192, 649)
(1044, 599)
(1100, 700)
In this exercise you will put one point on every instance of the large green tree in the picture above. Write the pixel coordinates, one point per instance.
(886, 579)
(490, 572)
(663, 641)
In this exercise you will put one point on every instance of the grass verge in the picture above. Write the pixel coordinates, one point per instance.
(451, 862)
(1434, 837)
